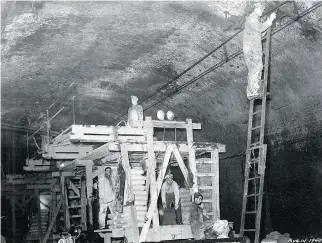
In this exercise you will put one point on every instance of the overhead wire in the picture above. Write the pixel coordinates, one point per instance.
(201, 59)
(232, 56)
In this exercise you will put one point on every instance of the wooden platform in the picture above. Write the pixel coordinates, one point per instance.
(171, 232)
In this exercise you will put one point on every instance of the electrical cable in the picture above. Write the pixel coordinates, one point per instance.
(232, 56)
(207, 55)
(201, 59)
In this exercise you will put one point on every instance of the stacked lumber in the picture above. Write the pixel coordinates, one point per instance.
(185, 204)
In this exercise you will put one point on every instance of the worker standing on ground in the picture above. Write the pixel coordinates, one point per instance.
(253, 51)
(199, 220)
(170, 196)
(106, 197)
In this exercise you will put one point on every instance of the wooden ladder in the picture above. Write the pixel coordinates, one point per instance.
(76, 202)
(207, 173)
(255, 159)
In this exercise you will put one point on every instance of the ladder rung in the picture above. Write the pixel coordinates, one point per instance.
(249, 230)
(251, 212)
(255, 144)
(205, 161)
(76, 216)
(75, 206)
(254, 178)
(256, 112)
(254, 128)
(251, 195)
(206, 187)
(73, 197)
(207, 200)
(205, 174)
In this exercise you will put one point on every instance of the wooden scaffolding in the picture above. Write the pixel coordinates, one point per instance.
(77, 150)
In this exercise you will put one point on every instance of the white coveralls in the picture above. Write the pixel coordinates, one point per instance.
(107, 198)
(253, 53)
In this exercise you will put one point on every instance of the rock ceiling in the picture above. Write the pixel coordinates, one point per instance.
(113, 50)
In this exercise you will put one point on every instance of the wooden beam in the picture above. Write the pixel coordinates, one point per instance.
(63, 174)
(83, 204)
(127, 168)
(52, 222)
(181, 164)
(151, 171)
(173, 124)
(161, 146)
(192, 155)
(154, 196)
(215, 181)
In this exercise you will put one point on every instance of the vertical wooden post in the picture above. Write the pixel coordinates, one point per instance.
(89, 189)
(83, 204)
(67, 219)
(215, 183)
(13, 214)
(152, 167)
(127, 168)
(39, 213)
(192, 155)
(62, 196)
(53, 205)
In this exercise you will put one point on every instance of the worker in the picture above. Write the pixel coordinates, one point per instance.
(170, 197)
(198, 219)
(135, 113)
(253, 51)
(106, 197)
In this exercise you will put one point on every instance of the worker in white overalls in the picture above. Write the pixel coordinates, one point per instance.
(170, 196)
(106, 197)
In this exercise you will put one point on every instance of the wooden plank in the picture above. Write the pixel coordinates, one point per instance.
(52, 222)
(126, 164)
(151, 170)
(172, 232)
(160, 146)
(83, 204)
(38, 168)
(205, 174)
(206, 146)
(107, 130)
(204, 161)
(154, 197)
(181, 164)
(89, 189)
(192, 155)
(63, 174)
(105, 139)
(174, 124)
(61, 136)
(215, 192)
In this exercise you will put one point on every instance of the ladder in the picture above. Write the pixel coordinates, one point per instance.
(76, 204)
(255, 159)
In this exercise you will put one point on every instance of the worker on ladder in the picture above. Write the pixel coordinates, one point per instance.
(253, 51)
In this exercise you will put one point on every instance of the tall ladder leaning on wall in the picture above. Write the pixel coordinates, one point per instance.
(255, 158)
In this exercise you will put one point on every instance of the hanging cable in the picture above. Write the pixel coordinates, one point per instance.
(200, 60)
(232, 56)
